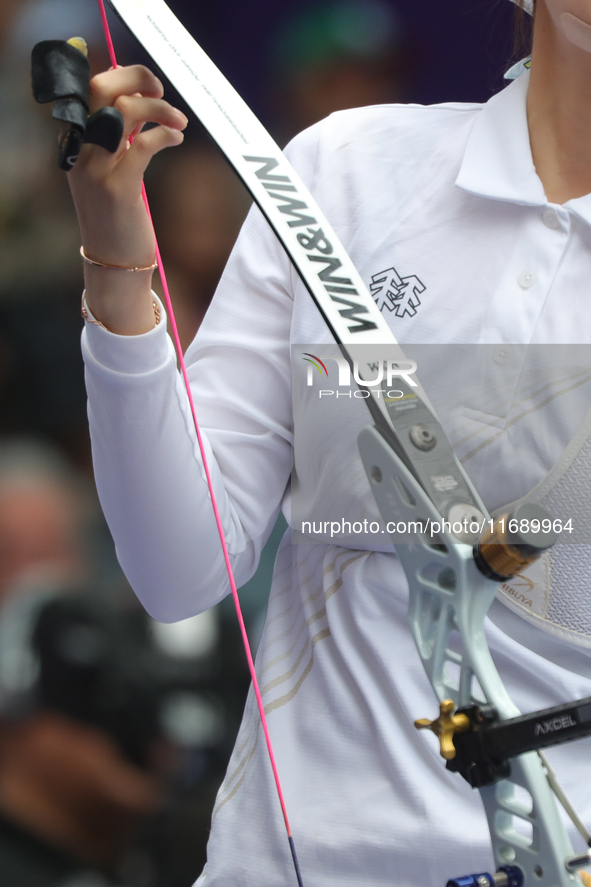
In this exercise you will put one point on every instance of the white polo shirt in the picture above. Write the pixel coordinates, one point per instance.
(446, 200)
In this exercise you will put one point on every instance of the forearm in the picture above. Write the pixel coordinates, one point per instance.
(115, 228)
(151, 482)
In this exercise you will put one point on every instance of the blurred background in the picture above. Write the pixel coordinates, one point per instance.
(115, 730)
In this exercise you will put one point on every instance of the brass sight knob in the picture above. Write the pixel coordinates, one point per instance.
(444, 727)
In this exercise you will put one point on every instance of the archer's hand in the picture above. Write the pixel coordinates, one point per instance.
(106, 188)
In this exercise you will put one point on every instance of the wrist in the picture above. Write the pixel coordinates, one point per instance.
(89, 318)
(121, 302)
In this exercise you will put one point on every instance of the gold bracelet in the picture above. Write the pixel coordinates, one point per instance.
(116, 267)
(84, 313)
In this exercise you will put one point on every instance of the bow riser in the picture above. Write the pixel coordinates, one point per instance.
(541, 857)
(448, 595)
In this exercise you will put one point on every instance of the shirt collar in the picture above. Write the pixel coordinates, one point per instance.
(498, 161)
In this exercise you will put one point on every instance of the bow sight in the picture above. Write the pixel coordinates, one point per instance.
(61, 74)
(476, 744)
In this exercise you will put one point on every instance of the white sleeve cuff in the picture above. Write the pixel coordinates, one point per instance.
(131, 355)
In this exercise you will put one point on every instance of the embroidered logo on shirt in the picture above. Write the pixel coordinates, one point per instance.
(396, 293)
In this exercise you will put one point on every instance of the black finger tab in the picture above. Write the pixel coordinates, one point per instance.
(70, 145)
(59, 71)
(105, 128)
(61, 74)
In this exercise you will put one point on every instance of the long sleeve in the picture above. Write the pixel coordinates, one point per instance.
(148, 469)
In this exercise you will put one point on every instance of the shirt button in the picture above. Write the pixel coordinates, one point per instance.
(501, 355)
(526, 279)
(550, 218)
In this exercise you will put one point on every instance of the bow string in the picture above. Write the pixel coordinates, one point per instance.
(218, 519)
